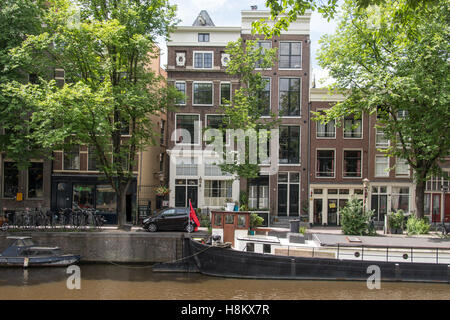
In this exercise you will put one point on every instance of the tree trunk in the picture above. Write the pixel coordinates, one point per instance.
(420, 197)
(122, 205)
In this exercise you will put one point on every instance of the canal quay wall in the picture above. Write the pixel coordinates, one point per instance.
(101, 247)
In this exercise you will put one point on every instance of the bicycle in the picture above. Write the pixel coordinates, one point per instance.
(443, 229)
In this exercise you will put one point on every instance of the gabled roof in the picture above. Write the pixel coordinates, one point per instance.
(203, 20)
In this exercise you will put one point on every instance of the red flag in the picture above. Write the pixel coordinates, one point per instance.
(193, 216)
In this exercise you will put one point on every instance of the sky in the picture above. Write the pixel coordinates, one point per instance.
(228, 13)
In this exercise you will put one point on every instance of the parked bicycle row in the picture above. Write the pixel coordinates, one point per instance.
(67, 217)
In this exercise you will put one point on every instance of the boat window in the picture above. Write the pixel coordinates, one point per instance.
(266, 248)
(229, 219)
(218, 220)
(27, 242)
(250, 247)
(241, 221)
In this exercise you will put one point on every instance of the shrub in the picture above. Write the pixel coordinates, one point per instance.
(396, 220)
(354, 220)
(417, 226)
(255, 220)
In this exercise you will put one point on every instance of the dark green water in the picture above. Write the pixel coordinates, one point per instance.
(114, 282)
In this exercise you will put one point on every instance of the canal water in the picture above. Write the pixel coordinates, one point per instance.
(139, 282)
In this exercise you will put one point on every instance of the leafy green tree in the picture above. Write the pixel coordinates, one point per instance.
(18, 18)
(248, 105)
(284, 12)
(355, 220)
(105, 48)
(401, 73)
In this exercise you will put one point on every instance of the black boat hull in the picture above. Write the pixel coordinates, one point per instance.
(221, 262)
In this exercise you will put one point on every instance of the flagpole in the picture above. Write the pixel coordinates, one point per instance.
(189, 221)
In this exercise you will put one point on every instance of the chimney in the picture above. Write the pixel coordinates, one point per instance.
(254, 7)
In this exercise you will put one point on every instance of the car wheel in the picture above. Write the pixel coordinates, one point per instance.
(189, 227)
(152, 227)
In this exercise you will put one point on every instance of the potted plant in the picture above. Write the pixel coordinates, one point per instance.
(162, 191)
(255, 221)
(396, 222)
(229, 204)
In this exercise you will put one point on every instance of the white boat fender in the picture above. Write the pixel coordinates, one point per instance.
(25, 262)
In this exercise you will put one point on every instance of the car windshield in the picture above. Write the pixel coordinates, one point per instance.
(158, 212)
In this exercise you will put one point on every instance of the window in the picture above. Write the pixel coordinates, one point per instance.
(352, 164)
(379, 202)
(400, 199)
(325, 163)
(186, 167)
(36, 180)
(203, 93)
(72, 158)
(241, 221)
(187, 129)
(352, 127)
(290, 55)
(267, 248)
(264, 45)
(203, 60)
(217, 191)
(401, 167)
(289, 145)
(203, 37)
(326, 130)
(186, 190)
(214, 171)
(215, 121)
(10, 179)
(92, 159)
(83, 196)
(163, 128)
(264, 97)
(381, 166)
(181, 87)
(289, 96)
(218, 220)
(258, 197)
(225, 93)
(250, 247)
(288, 193)
(402, 114)
(380, 140)
(106, 199)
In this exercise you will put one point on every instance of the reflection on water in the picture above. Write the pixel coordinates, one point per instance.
(114, 282)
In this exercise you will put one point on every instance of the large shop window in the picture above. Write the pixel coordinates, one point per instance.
(289, 194)
(325, 163)
(203, 93)
(258, 197)
(106, 199)
(10, 179)
(83, 196)
(352, 127)
(185, 129)
(289, 103)
(290, 55)
(400, 199)
(379, 202)
(217, 191)
(36, 180)
(264, 96)
(203, 60)
(289, 144)
(72, 158)
(352, 164)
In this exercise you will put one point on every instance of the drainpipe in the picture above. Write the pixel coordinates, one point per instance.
(308, 169)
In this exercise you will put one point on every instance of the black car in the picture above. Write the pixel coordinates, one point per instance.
(169, 219)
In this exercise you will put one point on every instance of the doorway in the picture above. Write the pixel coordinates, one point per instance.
(318, 208)
(332, 212)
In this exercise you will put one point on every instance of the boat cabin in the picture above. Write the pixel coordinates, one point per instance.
(24, 247)
(230, 225)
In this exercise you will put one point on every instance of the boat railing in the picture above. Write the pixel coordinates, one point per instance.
(369, 253)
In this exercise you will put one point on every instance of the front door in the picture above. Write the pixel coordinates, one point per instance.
(447, 208)
(228, 228)
(63, 195)
(318, 211)
(436, 208)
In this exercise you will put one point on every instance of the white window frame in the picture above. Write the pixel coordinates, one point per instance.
(185, 92)
(203, 60)
(199, 133)
(334, 163)
(386, 172)
(317, 128)
(265, 41)
(343, 163)
(362, 129)
(212, 93)
(299, 145)
(270, 97)
(402, 162)
(301, 96)
(301, 55)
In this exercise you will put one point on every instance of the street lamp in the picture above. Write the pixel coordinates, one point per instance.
(366, 191)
